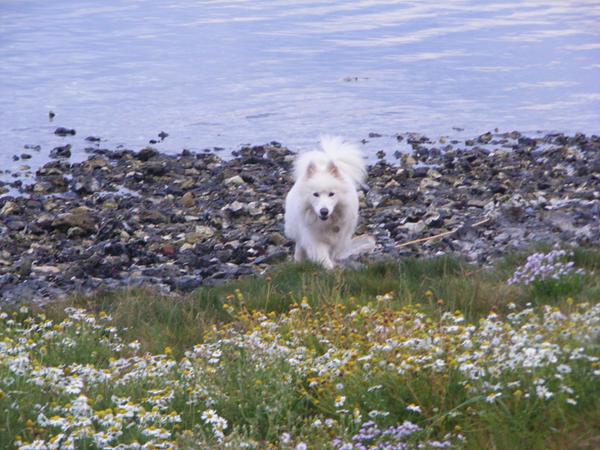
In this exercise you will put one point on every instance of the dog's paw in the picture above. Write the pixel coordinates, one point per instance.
(328, 264)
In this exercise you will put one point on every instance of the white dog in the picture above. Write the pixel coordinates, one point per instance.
(321, 209)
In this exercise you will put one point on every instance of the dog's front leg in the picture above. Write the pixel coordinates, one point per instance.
(321, 254)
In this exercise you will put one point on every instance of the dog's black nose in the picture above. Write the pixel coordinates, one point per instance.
(323, 212)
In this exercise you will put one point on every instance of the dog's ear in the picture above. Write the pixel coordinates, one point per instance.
(310, 170)
(333, 169)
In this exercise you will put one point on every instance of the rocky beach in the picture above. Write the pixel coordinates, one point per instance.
(126, 218)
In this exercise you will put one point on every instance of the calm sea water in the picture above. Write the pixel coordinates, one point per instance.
(224, 73)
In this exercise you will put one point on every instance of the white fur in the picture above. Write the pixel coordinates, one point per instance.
(334, 173)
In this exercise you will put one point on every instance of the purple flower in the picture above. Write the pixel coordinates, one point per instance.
(371, 437)
(540, 267)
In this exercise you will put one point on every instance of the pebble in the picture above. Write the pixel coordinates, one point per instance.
(61, 131)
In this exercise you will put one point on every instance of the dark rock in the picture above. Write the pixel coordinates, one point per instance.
(76, 232)
(485, 138)
(168, 250)
(86, 186)
(272, 258)
(526, 142)
(78, 217)
(434, 221)
(187, 283)
(6, 279)
(420, 172)
(153, 216)
(63, 151)
(154, 168)
(146, 153)
(15, 224)
(61, 131)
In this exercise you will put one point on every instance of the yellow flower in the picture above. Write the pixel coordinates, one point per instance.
(518, 394)
(168, 351)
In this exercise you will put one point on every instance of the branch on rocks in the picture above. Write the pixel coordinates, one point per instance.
(446, 233)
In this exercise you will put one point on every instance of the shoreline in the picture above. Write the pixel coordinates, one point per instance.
(176, 222)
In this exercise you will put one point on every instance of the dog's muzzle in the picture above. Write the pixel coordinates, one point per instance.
(323, 213)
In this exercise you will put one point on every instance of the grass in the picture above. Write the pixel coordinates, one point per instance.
(159, 321)
(301, 355)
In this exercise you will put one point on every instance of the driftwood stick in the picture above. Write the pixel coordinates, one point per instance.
(436, 236)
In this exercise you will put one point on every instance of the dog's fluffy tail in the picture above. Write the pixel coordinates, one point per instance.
(346, 156)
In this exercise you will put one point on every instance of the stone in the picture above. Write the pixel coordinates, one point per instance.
(62, 131)
(63, 151)
(46, 269)
(80, 217)
(9, 209)
(235, 180)
(276, 238)
(188, 200)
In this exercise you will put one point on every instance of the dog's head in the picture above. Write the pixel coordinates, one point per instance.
(324, 189)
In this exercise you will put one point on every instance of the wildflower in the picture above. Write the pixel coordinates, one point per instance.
(518, 394)
(301, 446)
(135, 345)
(375, 413)
(159, 433)
(217, 423)
(339, 401)
(543, 392)
(544, 266)
(491, 398)
(285, 438)
(563, 369)
(38, 444)
(414, 408)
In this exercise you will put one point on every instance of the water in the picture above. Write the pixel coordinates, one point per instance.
(224, 73)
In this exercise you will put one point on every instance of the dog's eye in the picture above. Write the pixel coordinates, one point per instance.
(316, 194)
(331, 194)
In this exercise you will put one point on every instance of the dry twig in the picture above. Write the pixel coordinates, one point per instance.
(445, 233)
